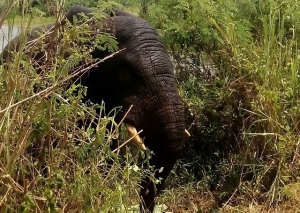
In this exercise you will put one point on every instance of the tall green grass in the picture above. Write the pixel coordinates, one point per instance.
(245, 127)
(240, 80)
(265, 72)
(48, 162)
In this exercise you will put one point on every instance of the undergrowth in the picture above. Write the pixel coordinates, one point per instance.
(55, 151)
(237, 63)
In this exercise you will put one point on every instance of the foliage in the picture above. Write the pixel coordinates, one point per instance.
(55, 151)
(100, 4)
(70, 3)
(237, 65)
(52, 8)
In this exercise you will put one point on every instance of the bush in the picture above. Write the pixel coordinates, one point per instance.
(236, 63)
(85, 3)
(50, 163)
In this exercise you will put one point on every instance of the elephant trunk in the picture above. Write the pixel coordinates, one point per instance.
(157, 107)
(171, 125)
(167, 144)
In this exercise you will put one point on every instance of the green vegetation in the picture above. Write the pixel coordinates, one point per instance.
(47, 162)
(237, 63)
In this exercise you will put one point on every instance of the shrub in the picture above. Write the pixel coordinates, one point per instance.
(236, 63)
(50, 163)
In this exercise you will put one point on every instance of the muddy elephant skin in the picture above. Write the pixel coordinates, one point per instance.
(140, 75)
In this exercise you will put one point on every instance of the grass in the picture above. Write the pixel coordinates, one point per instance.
(246, 123)
(34, 21)
(133, 10)
(49, 163)
(190, 199)
(246, 114)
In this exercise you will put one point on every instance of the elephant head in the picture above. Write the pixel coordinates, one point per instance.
(140, 75)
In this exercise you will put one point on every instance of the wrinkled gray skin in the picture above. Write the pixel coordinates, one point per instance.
(141, 75)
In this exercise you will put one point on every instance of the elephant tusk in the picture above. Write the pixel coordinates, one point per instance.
(135, 137)
(187, 133)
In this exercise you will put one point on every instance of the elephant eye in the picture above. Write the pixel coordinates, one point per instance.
(124, 75)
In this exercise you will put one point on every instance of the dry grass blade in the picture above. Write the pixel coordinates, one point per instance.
(117, 149)
(46, 92)
(6, 11)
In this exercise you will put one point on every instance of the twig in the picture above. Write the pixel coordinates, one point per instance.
(49, 89)
(6, 11)
(125, 115)
(119, 147)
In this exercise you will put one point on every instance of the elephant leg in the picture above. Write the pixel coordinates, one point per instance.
(149, 190)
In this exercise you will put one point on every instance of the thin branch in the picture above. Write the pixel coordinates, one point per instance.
(119, 147)
(46, 92)
(125, 115)
(6, 11)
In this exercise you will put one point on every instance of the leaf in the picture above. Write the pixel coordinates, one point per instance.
(135, 168)
(160, 208)
(161, 169)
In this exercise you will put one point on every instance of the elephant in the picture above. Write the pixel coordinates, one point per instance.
(141, 76)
